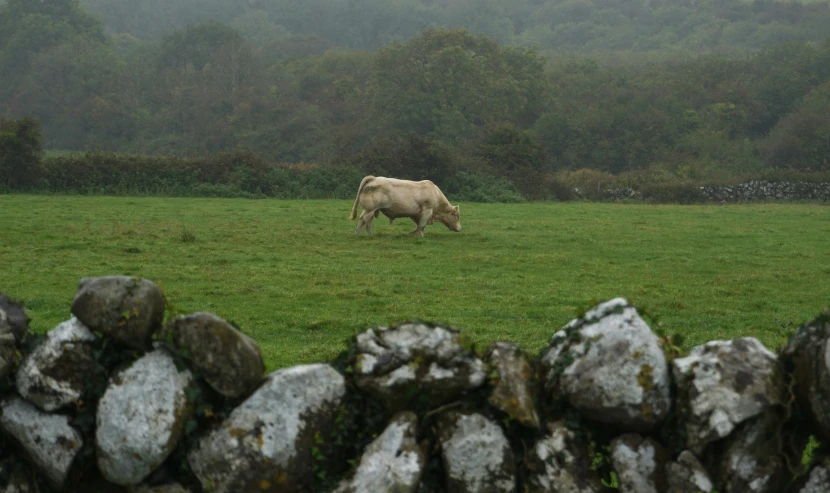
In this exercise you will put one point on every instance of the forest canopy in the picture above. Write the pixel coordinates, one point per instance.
(511, 89)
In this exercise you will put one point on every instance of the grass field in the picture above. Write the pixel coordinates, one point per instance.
(293, 276)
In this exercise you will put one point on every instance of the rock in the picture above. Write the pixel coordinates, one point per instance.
(14, 325)
(477, 456)
(686, 475)
(640, 464)
(808, 356)
(141, 418)
(164, 488)
(13, 318)
(561, 464)
(127, 309)
(47, 439)
(512, 393)
(393, 462)
(415, 364)
(19, 480)
(610, 366)
(818, 481)
(8, 354)
(722, 384)
(752, 462)
(229, 360)
(265, 444)
(56, 372)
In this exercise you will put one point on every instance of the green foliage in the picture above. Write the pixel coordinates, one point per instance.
(447, 83)
(801, 140)
(476, 187)
(196, 45)
(413, 157)
(516, 155)
(28, 28)
(452, 86)
(20, 153)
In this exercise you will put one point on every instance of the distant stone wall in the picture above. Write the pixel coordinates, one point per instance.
(745, 192)
(765, 190)
(115, 399)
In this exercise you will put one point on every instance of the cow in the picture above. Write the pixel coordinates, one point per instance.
(421, 201)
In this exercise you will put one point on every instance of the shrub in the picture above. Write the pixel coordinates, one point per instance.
(411, 158)
(672, 192)
(589, 182)
(517, 156)
(21, 150)
(474, 187)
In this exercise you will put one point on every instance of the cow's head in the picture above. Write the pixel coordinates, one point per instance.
(452, 219)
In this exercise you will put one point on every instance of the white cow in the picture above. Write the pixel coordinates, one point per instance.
(420, 201)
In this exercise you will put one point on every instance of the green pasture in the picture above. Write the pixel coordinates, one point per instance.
(292, 274)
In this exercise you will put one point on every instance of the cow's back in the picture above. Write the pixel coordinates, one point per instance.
(397, 190)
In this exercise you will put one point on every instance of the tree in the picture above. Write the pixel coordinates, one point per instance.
(29, 27)
(447, 83)
(70, 88)
(258, 28)
(801, 140)
(516, 155)
(20, 152)
(196, 45)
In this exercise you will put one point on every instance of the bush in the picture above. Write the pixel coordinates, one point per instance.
(589, 182)
(411, 158)
(514, 154)
(677, 193)
(21, 149)
(474, 187)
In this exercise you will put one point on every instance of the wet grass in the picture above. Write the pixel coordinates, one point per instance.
(292, 275)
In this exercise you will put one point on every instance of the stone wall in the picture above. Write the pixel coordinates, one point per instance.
(745, 192)
(765, 190)
(117, 399)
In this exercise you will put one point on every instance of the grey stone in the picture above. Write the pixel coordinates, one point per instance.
(393, 462)
(611, 367)
(415, 362)
(127, 309)
(752, 461)
(141, 418)
(13, 318)
(47, 439)
(512, 391)
(721, 384)
(640, 464)
(265, 444)
(561, 464)
(164, 488)
(230, 361)
(477, 456)
(55, 373)
(686, 475)
(19, 481)
(818, 481)
(8, 354)
(808, 353)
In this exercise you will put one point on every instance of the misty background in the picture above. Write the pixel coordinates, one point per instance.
(516, 89)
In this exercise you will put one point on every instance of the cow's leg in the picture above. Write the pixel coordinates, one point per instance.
(366, 220)
(415, 220)
(361, 222)
(423, 220)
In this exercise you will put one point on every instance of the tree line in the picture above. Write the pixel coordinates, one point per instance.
(434, 103)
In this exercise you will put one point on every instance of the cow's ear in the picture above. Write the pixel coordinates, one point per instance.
(455, 208)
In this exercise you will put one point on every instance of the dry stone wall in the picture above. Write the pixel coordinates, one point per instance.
(751, 191)
(766, 190)
(115, 399)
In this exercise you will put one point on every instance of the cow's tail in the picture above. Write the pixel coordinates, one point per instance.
(363, 182)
